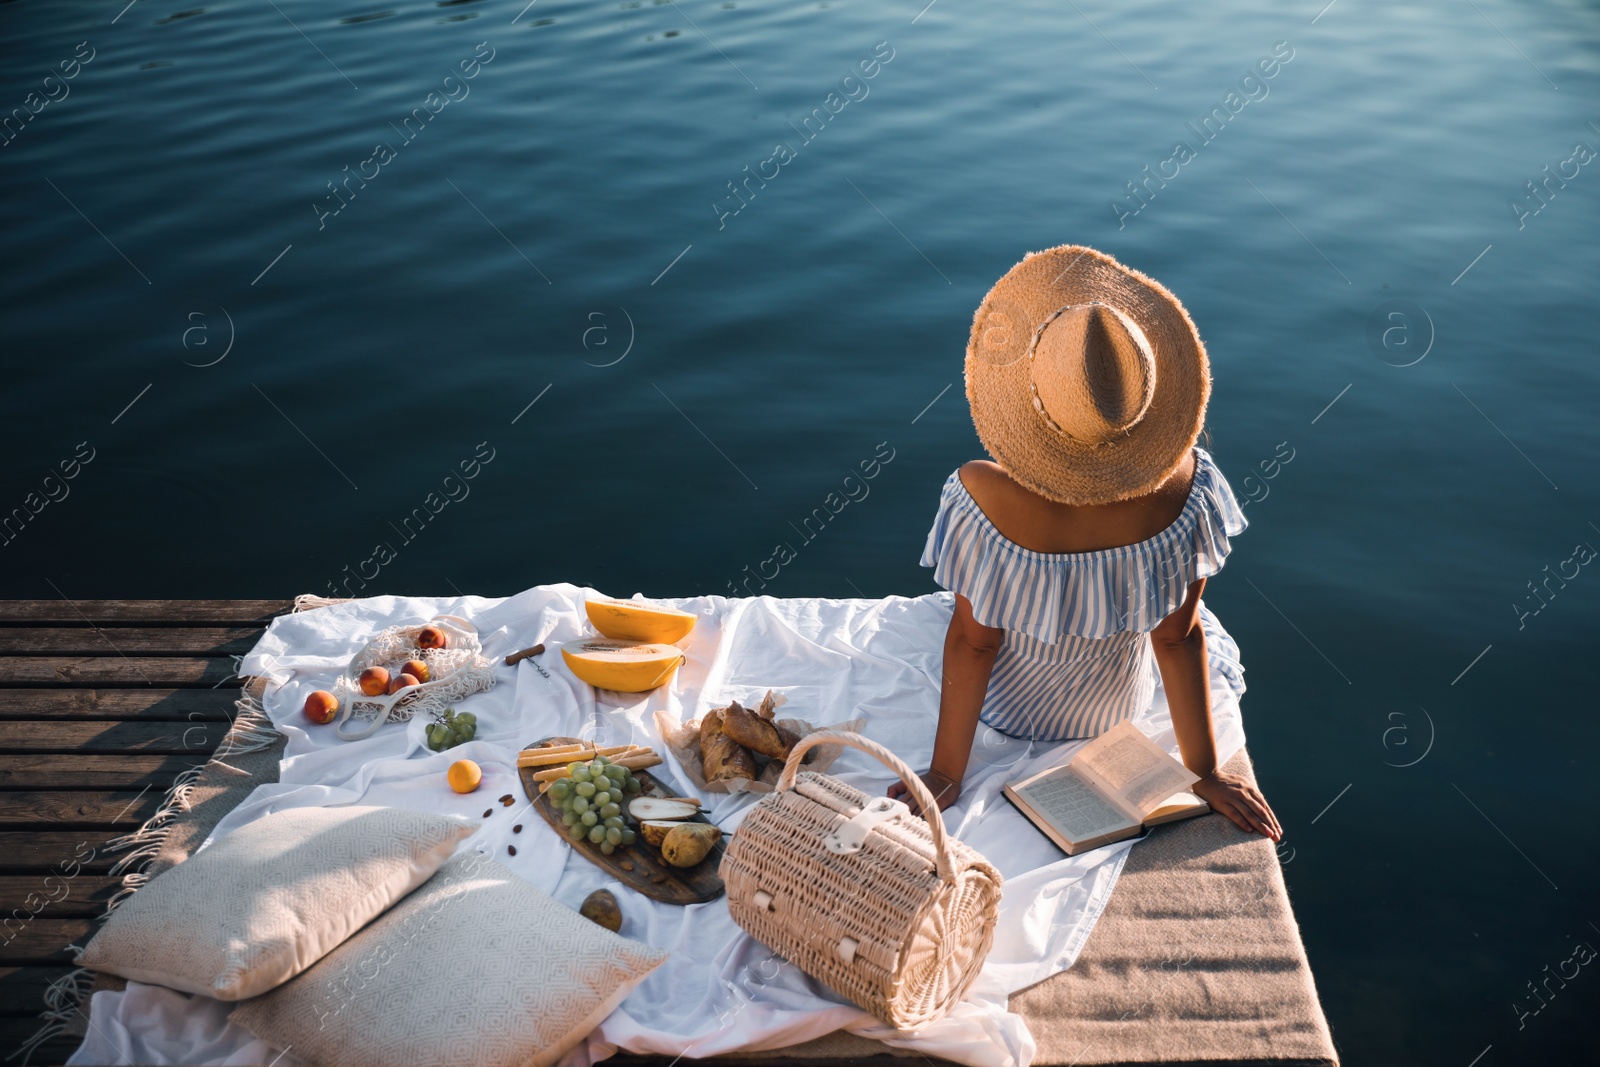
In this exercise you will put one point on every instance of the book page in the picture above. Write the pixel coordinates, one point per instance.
(1126, 762)
(1073, 805)
(1178, 806)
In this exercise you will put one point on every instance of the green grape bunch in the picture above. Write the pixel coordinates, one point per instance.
(451, 729)
(591, 800)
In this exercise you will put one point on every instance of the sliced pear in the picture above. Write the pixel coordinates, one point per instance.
(661, 809)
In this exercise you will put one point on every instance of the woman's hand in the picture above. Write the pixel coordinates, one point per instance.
(944, 791)
(1239, 801)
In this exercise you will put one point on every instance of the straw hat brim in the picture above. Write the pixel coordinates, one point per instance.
(998, 377)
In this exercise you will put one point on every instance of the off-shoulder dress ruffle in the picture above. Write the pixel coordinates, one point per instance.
(1076, 660)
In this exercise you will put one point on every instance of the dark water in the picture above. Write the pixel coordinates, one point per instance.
(700, 384)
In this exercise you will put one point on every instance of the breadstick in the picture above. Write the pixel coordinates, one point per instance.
(540, 757)
(637, 760)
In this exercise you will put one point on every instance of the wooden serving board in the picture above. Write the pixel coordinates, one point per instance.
(650, 874)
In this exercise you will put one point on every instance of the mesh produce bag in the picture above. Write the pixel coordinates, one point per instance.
(455, 672)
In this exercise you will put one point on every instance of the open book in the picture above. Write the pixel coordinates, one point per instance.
(1117, 784)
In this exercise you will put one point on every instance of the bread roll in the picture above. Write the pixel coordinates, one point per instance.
(722, 758)
(756, 733)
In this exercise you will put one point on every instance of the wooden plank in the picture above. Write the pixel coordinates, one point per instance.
(55, 896)
(83, 809)
(42, 941)
(58, 850)
(128, 640)
(886, 1059)
(114, 670)
(187, 705)
(54, 1051)
(166, 612)
(93, 772)
(195, 738)
(21, 987)
(17, 1027)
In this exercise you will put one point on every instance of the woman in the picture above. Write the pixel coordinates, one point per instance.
(1078, 555)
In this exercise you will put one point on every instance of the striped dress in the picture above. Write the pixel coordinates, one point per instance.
(1076, 658)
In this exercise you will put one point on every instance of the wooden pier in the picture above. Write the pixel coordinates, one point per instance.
(103, 703)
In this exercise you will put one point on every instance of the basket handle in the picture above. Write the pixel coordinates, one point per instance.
(930, 809)
(348, 711)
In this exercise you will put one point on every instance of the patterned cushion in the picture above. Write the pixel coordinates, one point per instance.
(262, 904)
(476, 966)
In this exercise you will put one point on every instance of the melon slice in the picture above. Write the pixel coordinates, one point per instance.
(635, 620)
(623, 666)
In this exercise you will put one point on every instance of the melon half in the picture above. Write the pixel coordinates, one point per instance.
(623, 666)
(634, 620)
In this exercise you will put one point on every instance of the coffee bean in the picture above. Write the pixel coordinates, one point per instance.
(511, 849)
(488, 813)
(508, 800)
(517, 829)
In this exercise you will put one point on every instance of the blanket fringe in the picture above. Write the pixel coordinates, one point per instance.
(66, 999)
(252, 731)
(310, 601)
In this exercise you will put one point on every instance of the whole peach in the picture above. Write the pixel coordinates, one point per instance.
(374, 681)
(401, 682)
(417, 669)
(321, 707)
(430, 637)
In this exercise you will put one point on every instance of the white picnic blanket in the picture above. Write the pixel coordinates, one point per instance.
(720, 990)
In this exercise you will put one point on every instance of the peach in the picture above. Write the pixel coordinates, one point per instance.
(401, 682)
(374, 681)
(321, 707)
(417, 669)
(430, 637)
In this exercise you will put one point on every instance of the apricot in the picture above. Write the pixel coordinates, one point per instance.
(417, 669)
(321, 707)
(464, 775)
(430, 637)
(401, 682)
(374, 681)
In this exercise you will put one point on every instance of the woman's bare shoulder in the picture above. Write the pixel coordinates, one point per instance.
(982, 472)
(986, 481)
(1043, 525)
(995, 491)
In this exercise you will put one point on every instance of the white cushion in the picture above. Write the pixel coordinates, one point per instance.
(257, 907)
(476, 967)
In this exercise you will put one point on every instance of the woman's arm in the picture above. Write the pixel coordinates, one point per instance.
(1179, 644)
(969, 651)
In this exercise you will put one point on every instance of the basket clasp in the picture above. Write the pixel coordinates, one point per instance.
(850, 836)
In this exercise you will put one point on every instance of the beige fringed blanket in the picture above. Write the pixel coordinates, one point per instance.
(1197, 957)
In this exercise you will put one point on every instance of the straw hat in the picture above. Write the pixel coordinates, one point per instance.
(1087, 380)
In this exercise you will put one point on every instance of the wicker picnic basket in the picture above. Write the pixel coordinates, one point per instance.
(874, 902)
